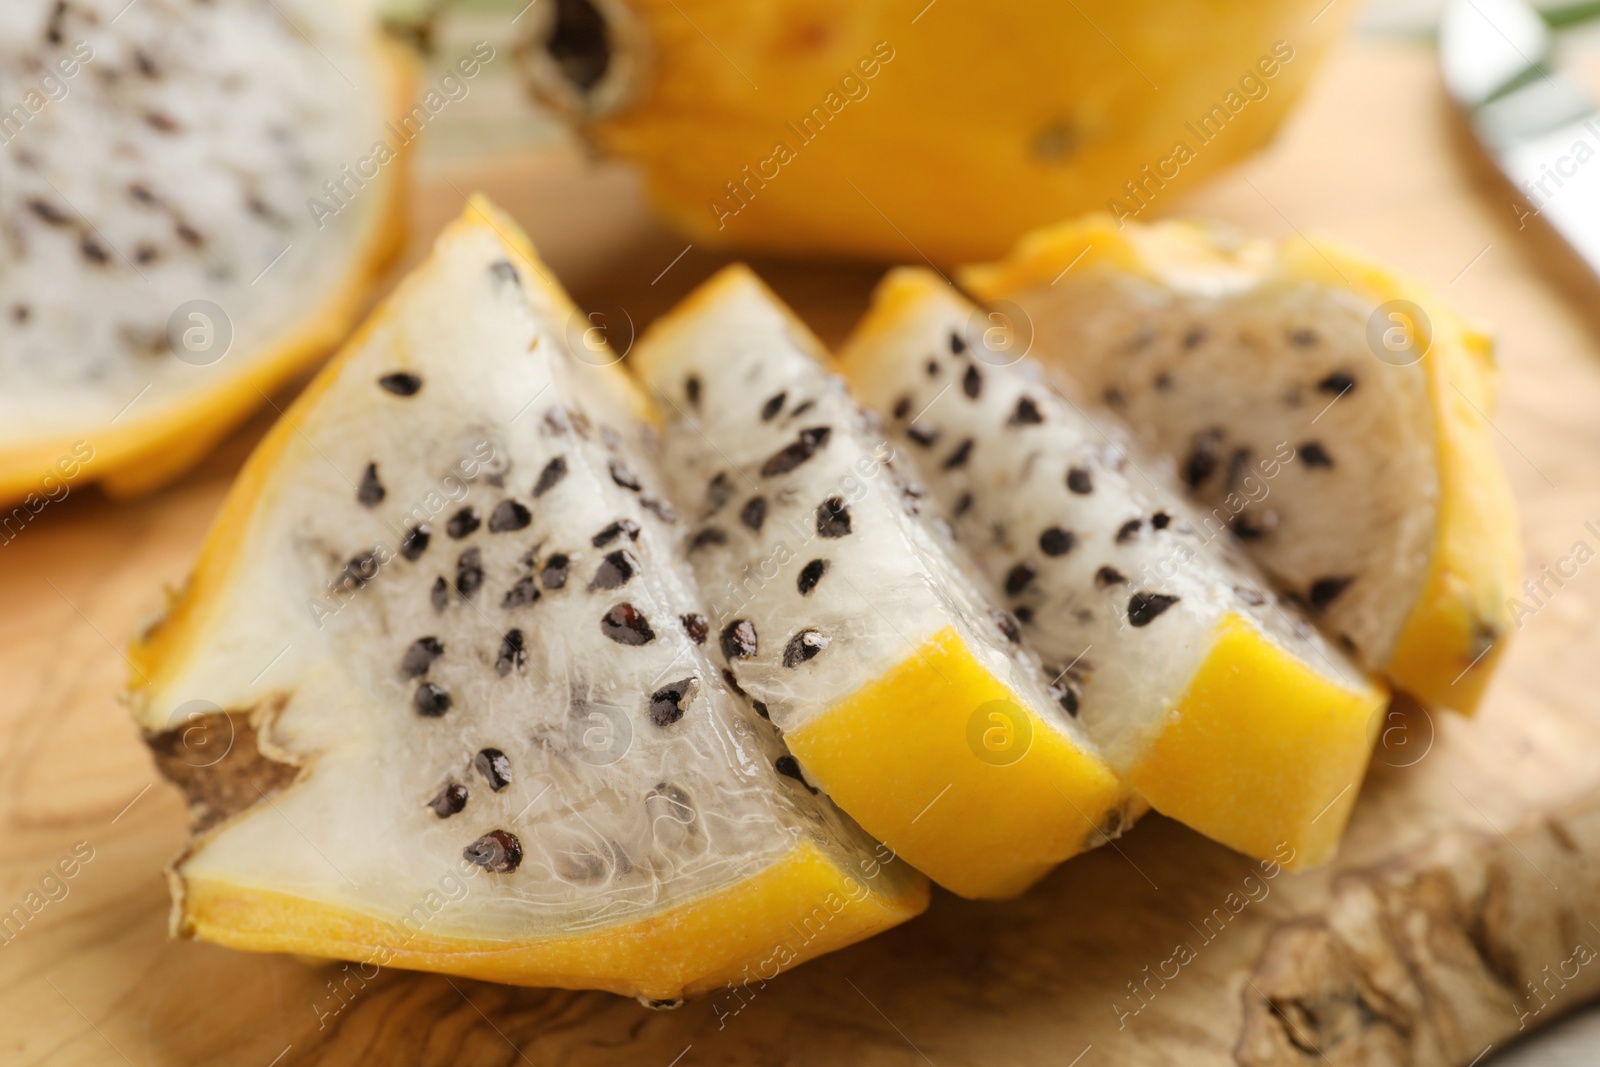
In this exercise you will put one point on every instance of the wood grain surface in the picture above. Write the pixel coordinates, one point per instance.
(1469, 867)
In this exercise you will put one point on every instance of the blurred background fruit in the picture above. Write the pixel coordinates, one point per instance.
(917, 129)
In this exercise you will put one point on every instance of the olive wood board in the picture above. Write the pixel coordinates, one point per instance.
(1469, 869)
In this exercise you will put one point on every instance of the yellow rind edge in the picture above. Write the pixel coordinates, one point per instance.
(747, 931)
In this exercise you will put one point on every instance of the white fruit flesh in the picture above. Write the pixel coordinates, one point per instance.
(636, 785)
(1393, 523)
(823, 583)
(1123, 588)
(176, 162)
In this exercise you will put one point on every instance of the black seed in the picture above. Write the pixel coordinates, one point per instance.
(509, 515)
(963, 505)
(1107, 576)
(554, 572)
(463, 522)
(754, 512)
(922, 435)
(615, 570)
(1163, 382)
(361, 570)
(1007, 624)
(801, 408)
(696, 626)
(1325, 591)
(1337, 383)
(959, 457)
(551, 476)
(1020, 577)
(1024, 614)
(626, 625)
(1026, 413)
(525, 592)
(659, 508)
(667, 703)
(761, 709)
(495, 768)
(451, 799)
(498, 851)
(439, 595)
(718, 492)
(469, 573)
(1249, 595)
(431, 700)
(1315, 455)
(503, 271)
(623, 476)
(1161, 520)
(933, 368)
(1193, 338)
(401, 383)
(1202, 462)
(804, 646)
(617, 529)
(1080, 481)
(420, 656)
(902, 407)
(1302, 338)
(796, 452)
(711, 535)
(774, 404)
(415, 542)
(371, 491)
(810, 575)
(1144, 607)
(1066, 696)
(1245, 529)
(512, 653)
(958, 344)
(1128, 531)
(739, 639)
(1113, 397)
(789, 767)
(972, 381)
(733, 683)
(833, 517)
(1057, 542)
(691, 389)
(49, 212)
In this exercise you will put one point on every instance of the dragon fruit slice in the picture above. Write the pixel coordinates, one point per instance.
(199, 198)
(897, 687)
(1225, 709)
(438, 690)
(1393, 521)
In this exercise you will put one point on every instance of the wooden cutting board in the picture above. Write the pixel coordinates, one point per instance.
(1470, 868)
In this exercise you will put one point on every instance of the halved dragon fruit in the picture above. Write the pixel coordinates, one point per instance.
(1390, 519)
(899, 689)
(1222, 706)
(440, 691)
(199, 199)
